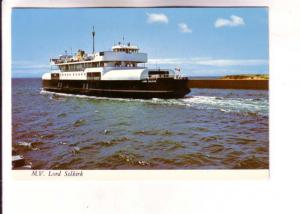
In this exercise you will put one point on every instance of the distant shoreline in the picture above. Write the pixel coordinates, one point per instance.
(252, 84)
(247, 77)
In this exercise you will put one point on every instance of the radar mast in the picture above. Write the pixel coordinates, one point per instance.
(93, 33)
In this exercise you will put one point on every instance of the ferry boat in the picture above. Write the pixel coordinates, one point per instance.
(116, 73)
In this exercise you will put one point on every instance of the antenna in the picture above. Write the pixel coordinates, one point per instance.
(123, 40)
(93, 33)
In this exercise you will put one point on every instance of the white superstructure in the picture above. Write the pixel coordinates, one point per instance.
(121, 63)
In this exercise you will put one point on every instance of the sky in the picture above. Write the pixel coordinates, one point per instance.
(199, 41)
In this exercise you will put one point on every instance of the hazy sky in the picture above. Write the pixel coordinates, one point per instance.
(201, 41)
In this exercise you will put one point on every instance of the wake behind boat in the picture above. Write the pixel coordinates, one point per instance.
(115, 73)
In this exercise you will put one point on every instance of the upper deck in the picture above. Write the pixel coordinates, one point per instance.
(119, 54)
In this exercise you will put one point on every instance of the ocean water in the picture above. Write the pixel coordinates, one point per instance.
(208, 129)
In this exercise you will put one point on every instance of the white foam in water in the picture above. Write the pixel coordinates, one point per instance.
(197, 102)
(23, 143)
(227, 104)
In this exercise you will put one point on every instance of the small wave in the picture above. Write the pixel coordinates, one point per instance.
(79, 122)
(22, 145)
(224, 110)
(113, 141)
(198, 159)
(160, 160)
(66, 165)
(57, 97)
(261, 149)
(121, 123)
(145, 132)
(166, 145)
(201, 129)
(209, 139)
(241, 141)
(124, 159)
(53, 95)
(104, 143)
(176, 147)
(143, 163)
(153, 132)
(88, 147)
(62, 143)
(251, 163)
(215, 148)
(48, 136)
(62, 115)
(19, 162)
(106, 131)
(75, 150)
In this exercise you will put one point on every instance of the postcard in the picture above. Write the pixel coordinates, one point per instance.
(136, 91)
(150, 106)
(140, 88)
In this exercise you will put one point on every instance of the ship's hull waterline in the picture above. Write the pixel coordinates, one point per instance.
(165, 88)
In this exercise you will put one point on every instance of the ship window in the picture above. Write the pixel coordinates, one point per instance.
(158, 73)
(101, 53)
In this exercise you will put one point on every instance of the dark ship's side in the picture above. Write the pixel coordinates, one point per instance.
(144, 89)
(113, 74)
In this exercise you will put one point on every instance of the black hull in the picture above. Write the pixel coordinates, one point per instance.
(165, 88)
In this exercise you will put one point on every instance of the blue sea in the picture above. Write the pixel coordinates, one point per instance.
(208, 129)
